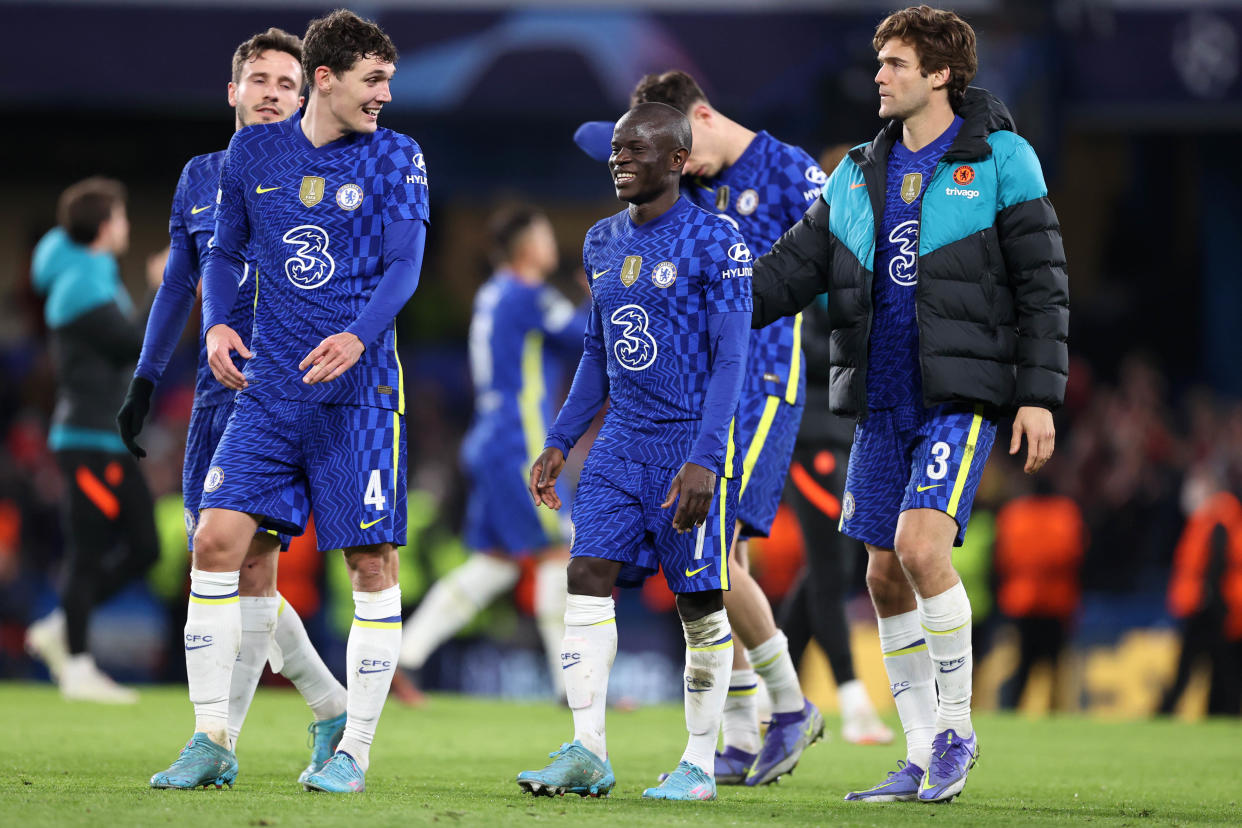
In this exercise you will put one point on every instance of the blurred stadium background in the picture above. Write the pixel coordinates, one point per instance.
(1134, 106)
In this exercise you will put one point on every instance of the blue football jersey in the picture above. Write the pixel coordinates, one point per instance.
(653, 288)
(893, 375)
(312, 220)
(764, 193)
(517, 331)
(191, 227)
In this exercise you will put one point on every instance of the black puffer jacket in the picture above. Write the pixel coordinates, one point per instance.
(992, 296)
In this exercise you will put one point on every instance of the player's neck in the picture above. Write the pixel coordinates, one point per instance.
(656, 207)
(737, 139)
(318, 124)
(526, 272)
(926, 125)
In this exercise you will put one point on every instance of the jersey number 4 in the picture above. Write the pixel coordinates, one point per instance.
(375, 492)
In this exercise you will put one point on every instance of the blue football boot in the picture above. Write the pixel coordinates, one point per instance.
(687, 783)
(340, 774)
(788, 735)
(573, 769)
(902, 785)
(202, 763)
(732, 765)
(324, 737)
(952, 758)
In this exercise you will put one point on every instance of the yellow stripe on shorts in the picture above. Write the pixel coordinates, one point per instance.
(969, 455)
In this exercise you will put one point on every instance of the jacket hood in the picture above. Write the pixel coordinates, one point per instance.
(74, 279)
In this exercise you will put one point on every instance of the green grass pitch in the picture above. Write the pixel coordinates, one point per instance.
(453, 763)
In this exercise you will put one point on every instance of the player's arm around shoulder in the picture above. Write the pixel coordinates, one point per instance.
(789, 276)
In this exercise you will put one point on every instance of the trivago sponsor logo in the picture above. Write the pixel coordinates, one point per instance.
(958, 191)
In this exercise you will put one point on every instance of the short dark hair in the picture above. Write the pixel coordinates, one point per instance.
(507, 225)
(940, 38)
(675, 88)
(341, 39)
(86, 205)
(273, 40)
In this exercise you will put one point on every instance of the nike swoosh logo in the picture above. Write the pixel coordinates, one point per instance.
(859, 184)
(259, 188)
(952, 669)
(925, 488)
(596, 274)
(369, 524)
(567, 666)
(380, 670)
(198, 647)
(692, 690)
(194, 211)
(690, 574)
(899, 692)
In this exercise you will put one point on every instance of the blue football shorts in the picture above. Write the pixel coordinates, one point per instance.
(617, 516)
(500, 513)
(764, 432)
(280, 459)
(206, 428)
(914, 458)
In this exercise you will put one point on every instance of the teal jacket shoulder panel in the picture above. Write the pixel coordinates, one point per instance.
(850, 218)
(74, 279)
(1020, 177)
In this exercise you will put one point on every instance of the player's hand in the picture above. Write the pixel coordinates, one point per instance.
(695, 485)
(1041, 436)
(543, 474)
(133, 412)
(331, 358)
(222, 342)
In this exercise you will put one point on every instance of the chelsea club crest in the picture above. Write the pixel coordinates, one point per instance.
(349, 197)
(663, 274)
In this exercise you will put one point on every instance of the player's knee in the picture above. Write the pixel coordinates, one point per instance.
(886, 582)
(918, 556)
(592, 576)
(211, 547)
(692, 606)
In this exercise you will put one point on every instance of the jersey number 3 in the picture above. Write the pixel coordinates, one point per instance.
(310, 265)
(634, 347)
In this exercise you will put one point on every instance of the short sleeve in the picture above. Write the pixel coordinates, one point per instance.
(406, 196)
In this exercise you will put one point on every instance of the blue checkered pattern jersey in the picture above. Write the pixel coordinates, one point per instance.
(893, 375)
(319, 216)
(764, 193)
(191, 228)
(654, 288)
(517, 333)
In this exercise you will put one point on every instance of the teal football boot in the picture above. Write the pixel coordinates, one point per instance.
(202, 763)
(686, 783)
(324, 737)
(574, 769)
(340, 774)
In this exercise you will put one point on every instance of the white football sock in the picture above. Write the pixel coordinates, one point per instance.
(741, 712)
(946, 620)
(911, 681)
(212, 641)
(587, 652)
(302, 665)
(771, 661)
(371, 657)
(451, 602)
(709, 659)
(551, 587)
(258, 625)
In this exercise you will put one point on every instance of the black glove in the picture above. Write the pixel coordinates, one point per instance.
(133, 412)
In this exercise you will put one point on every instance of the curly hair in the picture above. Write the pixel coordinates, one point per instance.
(274, 40)
(940, 38)
(675, 88)
(341, 39)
